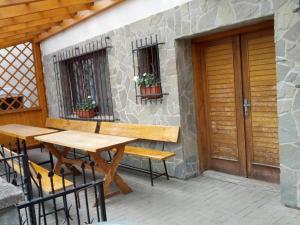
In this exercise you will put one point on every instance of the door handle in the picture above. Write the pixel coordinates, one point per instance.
(246, 105)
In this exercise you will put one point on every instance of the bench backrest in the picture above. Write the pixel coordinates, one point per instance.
(34, 168)
(64, 124)
(15, 163)
(141, 131)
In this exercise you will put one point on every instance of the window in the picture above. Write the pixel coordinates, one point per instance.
(18, 88)
(83, 85)
(148, 60)
(147, 70)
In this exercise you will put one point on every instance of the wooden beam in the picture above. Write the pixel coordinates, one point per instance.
(71, 10)
(18, 37)
(41, 29)
(6, 3)
(18, 10)
(14, 42)
(95, 9)
(24, 26)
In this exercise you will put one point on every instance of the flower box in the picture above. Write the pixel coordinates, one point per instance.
(151, 92)
(85, 113)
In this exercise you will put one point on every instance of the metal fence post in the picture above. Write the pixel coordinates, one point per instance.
(27, 180)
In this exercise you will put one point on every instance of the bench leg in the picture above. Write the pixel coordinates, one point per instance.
(74, 153)
(109, 155)
(166, 170)
(151, 172)
(51, 160)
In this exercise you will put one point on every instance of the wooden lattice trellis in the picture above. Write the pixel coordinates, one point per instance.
(18, 89)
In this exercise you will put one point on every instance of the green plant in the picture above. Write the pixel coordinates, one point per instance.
(147, 80)
(87, 105)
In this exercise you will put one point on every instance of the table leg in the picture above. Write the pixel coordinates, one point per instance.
(110, 170)
(60, 156)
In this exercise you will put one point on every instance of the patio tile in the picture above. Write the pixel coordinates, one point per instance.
(211, 199)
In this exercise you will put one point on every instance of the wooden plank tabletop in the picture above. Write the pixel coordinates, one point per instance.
(23, 131)
(85, 141)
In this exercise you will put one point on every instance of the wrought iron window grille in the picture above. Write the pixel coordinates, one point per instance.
(83, 82)
(146, 63)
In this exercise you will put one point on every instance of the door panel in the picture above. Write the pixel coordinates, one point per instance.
(259, 79)
(237, 139)
(223, 94)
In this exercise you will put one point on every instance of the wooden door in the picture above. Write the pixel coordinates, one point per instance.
(235, 87)
(223, 96)
(261, 126)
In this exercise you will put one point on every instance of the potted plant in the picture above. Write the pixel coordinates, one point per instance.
(86, 109)
(149, 85)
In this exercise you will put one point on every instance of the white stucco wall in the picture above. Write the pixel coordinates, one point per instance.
(116, 17)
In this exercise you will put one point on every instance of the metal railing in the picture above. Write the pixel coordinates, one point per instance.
(80, 203)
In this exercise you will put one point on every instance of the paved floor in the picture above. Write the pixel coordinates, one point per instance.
(211, 199)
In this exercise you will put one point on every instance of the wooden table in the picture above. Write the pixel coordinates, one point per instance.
(24, 132)
(93, 145)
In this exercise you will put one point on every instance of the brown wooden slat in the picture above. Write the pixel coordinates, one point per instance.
(221, 81)
(261, 45)
(262, 67)
(253, 42)
(267, 50)
(18, 10)
(26, 25)
(260, 56)
(64, 124)
(142, 131)
(219, 67)
(261, 61)
(6, 3)
(220, 76)
(221, 72)
(218, 48)
(26, 31)
(225, 54)
(220, 86)
(70, 10)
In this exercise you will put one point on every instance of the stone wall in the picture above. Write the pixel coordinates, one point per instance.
(287, 35)
(194, 17)
(9, 197)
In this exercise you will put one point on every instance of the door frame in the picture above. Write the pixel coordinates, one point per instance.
(199, 93)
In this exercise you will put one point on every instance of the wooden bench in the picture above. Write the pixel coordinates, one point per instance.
(34, 169)
(162, 134)
(78, 125)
